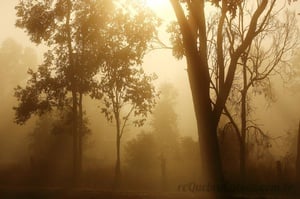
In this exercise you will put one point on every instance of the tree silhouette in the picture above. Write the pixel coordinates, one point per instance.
(50, 147)
(127, 93)
(193, 28)
(141, 152)
(74, 32)
(123, 86)
(262, 61)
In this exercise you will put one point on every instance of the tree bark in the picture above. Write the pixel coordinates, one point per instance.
(243, 122)
(199, 79)
(80, 136)
(298, 158)
(118, 160)
(243, 139)
(207, 127)
(74, 96)
(75, 138)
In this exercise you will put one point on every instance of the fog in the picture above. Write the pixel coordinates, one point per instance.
(27, 151)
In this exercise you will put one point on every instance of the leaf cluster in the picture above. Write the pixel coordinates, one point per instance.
(87, 40)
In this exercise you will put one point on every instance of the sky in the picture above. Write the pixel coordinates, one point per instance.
(285, 111)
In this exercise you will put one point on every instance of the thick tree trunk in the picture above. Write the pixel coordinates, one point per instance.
(207, 125)
(298, 158)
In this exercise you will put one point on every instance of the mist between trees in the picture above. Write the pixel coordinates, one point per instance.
(89, 115)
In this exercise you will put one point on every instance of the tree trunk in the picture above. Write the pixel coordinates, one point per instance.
(75, 137)
(74, 95)
(80, 136)
(206, 125)
(298, 158)
(118, 161)
(243, 125)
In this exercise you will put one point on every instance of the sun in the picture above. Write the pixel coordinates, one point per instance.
(162, 8)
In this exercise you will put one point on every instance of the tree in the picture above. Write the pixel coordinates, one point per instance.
(298, 158)
(14, 60)
(194, 40)
(165, 127)
(122, 84)
(50, 145)
(267, 56)
(74, 32)
(127, 92)
(141, 152)
(164, 122)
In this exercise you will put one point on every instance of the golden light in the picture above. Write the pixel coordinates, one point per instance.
(162, 8)
(156, 4)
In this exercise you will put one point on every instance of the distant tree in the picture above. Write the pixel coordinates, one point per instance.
(14, 62)
(190, 154)
(165, 122)
(160, 146)
(141, 152)
(50, 146)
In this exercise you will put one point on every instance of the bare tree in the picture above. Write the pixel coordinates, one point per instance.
(267, 56)
(193, 28)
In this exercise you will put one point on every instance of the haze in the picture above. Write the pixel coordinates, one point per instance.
(279, 119)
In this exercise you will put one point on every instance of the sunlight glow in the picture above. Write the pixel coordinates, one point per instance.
(155, 4)
(162, 8)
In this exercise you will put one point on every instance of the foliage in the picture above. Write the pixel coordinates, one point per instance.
(122, 82)
(127, 90)
(142, 152)
(164, 120)
(214, 52)
(74, 55)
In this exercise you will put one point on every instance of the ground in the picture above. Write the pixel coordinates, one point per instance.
(81, 193)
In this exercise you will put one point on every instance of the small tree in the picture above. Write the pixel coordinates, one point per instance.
(127, 92)
(122, 84)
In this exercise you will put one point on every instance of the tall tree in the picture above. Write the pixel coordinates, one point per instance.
(193, 29)
(268, 55)
(74, 32)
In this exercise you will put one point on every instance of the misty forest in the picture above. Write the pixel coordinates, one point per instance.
(149, 99)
